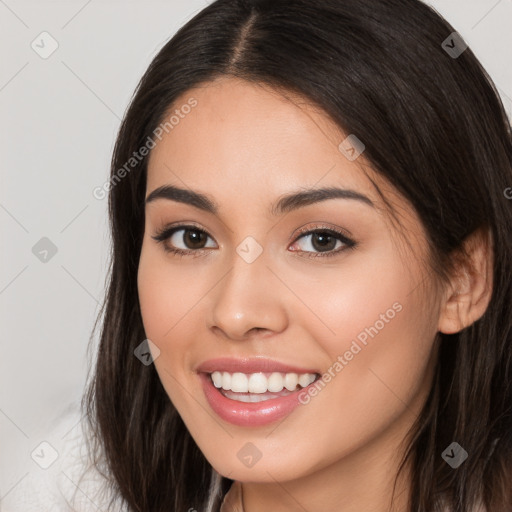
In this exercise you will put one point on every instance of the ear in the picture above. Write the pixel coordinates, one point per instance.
(468, 294)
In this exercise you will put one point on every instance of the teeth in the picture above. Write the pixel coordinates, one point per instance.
(290, 381)
(257, 383)
(275, 382)
(254, 397)
(226, 381)
(239, 383)
(260, 383)
(217, 379)
(304, 380)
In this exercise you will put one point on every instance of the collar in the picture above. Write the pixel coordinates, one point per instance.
(232, 501)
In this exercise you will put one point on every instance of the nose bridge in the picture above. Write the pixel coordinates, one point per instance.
(244, 299)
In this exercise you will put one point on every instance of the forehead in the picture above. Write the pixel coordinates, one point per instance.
(250, 141)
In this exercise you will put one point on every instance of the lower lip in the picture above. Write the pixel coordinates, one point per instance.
(249, 414)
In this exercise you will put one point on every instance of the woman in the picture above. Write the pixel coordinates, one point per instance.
(309, 305)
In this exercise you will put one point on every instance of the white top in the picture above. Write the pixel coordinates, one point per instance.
(55, 476)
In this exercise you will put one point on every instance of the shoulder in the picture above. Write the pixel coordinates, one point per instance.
(58, 475)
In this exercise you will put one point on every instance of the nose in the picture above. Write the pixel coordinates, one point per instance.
(249, 301)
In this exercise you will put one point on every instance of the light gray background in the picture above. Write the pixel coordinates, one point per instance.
(59, 117)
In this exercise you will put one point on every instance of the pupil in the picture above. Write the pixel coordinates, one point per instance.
(195, 237)
(325, 241)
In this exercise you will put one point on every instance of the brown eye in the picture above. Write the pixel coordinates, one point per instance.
(183, 239)
(322, 242)
(193, 238)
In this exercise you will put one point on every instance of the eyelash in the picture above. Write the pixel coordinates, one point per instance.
(165, 233)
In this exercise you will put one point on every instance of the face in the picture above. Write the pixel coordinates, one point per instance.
(287, 291)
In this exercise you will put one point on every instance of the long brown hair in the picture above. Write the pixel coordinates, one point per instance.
(433, 125)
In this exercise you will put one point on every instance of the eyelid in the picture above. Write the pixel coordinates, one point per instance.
(339, 233)
(170, 229)
(321, 226)
(163, 234)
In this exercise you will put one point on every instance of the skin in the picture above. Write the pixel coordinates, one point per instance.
(245, 145)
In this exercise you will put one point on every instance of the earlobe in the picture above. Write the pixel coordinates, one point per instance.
(469, 292)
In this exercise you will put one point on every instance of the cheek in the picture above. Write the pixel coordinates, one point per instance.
(370, 385)
(376, 383)
(167, 292)
(161, 311)
(363, 297)
(170, 302)
(373, 322)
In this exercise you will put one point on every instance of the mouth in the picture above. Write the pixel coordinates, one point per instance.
(254, 392)
(260, 386)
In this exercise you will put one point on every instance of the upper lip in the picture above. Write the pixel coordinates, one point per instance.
(249, 365)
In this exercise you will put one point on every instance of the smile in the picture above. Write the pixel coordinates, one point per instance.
(253, 392)
(260, 386)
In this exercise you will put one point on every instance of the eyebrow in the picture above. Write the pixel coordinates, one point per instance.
(285, 204)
